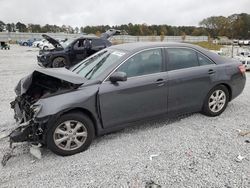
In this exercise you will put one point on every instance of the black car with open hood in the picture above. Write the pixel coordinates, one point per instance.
(71, 51)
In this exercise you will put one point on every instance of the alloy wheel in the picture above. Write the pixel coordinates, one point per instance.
(70, 135)
(217, 101)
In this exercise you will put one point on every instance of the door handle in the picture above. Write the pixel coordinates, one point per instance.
(211, 71)
(160, 82)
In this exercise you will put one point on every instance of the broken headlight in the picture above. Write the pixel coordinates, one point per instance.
(36, 108)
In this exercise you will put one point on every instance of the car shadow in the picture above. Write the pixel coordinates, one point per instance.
(22, 149)
(141, 126)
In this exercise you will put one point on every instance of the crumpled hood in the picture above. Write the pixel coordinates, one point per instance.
(59, 73)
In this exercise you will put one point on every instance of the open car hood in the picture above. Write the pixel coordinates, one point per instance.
(44, 76)
(53, 41)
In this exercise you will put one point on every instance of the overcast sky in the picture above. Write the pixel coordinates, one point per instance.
(116, 12)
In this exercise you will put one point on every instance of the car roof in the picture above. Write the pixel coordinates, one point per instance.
(144, 45)
(131, 48)
(88, 37)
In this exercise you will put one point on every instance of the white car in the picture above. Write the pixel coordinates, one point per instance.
(36, 44)
(244, 58)
(246, 62)
(244, 42)
(46, 45)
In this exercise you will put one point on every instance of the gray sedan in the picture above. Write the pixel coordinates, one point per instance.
(65, 109)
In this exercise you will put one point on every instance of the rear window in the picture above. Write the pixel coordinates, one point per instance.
(180, 58)
(97, 42)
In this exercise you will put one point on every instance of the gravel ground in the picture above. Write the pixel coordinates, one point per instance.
(191, 151)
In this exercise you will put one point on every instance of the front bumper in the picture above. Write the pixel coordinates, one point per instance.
(22, 133)
(43, 61)
(29, 128)
(30, 131)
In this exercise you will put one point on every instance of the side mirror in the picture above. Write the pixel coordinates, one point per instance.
(118, 76)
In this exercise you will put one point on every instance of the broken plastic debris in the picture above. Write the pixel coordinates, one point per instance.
(33, 161)
(4, 134)
(7, 156)
(152, 184)
(243, 133)
(239, 158)
(247, 141)
(36, 151)
(152, 156)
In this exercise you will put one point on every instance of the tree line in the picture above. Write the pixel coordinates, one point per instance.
(233, 26)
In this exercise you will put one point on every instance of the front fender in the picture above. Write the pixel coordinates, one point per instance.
(84, 97)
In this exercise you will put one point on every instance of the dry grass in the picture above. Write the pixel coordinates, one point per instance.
(208, 45)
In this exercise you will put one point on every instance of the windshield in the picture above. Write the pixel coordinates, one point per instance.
(66, 43)
(98, 63)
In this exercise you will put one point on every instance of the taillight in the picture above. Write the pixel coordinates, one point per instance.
(242, 69)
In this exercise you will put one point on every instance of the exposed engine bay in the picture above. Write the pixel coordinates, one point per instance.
(40, 84)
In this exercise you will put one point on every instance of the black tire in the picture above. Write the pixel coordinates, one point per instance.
(52, 133)
(25, 44)
(45, 47)
(219, 107)
(59, 62)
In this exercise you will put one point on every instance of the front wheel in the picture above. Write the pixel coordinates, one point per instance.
(59, 62)
(71, 134)
(216, 101)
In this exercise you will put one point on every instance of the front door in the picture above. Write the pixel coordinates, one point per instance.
(143, 95)
(79, 51)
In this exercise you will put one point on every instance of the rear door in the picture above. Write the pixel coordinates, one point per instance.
(190, 77)
(143, 95)
(97, 45)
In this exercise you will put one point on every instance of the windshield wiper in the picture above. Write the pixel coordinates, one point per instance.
(96, 67)
(85, 63)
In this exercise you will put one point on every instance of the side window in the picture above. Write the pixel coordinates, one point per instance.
(79, 45)
(181, 58)
(146, 62)
(203, 60)
(97, 42)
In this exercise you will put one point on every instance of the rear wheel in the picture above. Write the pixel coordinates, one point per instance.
(59, 62)
(71, 134)
(216, 101)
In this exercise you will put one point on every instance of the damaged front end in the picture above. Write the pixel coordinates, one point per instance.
(40, 84)
(29, 129)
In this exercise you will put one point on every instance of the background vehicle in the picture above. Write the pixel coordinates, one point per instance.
(38, 43)
(65, 109)
(28, 42)
(46, 45)
(244, 58)
(70, 52)
(4, 45)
